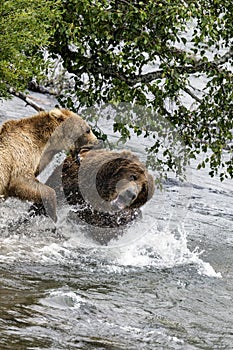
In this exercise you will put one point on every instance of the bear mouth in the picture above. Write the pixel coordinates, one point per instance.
(125, 198)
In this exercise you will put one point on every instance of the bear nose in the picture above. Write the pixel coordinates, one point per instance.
(129, 194)
(125, 197)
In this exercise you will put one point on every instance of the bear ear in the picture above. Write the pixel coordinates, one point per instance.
(57, 114)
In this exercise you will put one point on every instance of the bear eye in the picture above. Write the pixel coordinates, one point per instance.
(88, 130)
(133, 178)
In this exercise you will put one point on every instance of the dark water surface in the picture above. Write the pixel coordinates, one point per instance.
(166, 284)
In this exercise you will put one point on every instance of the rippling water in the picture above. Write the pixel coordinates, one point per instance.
(165, 284)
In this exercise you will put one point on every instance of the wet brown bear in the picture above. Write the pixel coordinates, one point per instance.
(109, 181)
(28, 144)
(109, 188)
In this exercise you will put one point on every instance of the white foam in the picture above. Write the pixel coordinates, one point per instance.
(61, 299)
(161, 249)
(144, 244)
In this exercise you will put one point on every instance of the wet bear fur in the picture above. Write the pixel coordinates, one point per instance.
(106, 188)
(26, 147)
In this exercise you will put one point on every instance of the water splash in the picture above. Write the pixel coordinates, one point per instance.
(144, 244)
(162, 249)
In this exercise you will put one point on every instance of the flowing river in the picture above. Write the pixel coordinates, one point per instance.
(167, 283)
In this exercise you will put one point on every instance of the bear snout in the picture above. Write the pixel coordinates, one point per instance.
(125, 197)
(129, 194)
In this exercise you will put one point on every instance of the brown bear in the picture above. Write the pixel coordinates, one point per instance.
(109, 181)
(109, 188)
(28, 144)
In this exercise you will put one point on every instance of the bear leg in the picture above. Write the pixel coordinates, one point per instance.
(34, 191)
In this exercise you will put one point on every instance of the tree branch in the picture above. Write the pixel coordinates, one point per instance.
(109, 71)
(133, 79)
(190, 93)
(26, 99)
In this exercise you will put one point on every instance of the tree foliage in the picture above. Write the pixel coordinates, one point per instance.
(172, 57)
(25, 29)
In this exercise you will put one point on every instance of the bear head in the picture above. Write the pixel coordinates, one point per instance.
(109, 181)
(72, 131)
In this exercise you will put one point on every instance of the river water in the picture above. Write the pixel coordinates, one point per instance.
(165, 284)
